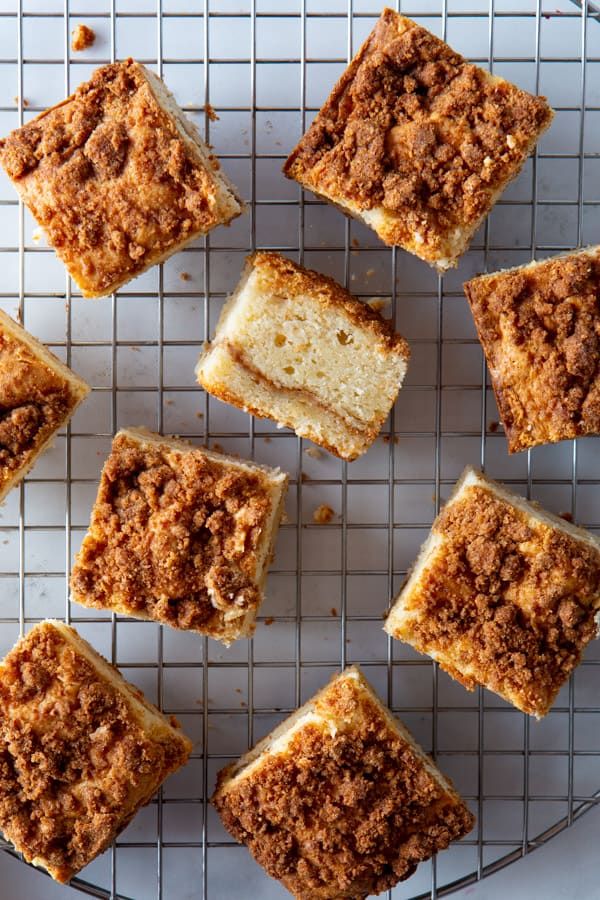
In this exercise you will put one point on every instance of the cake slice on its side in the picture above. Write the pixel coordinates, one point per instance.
(339, 801)
(38, 396)
(180, 535)
(294, 346)
(118, 177)
(416, 142)
(539, 326)
(81, 750)
(502, 595)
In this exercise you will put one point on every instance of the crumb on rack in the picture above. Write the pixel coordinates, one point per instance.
(333, 611)
(304, 477)
(210, 112)
(378, 303)
(36, 235)
(134, 347)
(323, 514)
(387, 437)
(567, 516)
(267, 439)
(82, 37)
(168, 402)
(355, 242)
(199, 415)
(185, 276)
(25, 102)
(269, 621)
(493, 427)
(313, 452)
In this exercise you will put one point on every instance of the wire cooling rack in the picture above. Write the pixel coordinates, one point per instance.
(266, 66)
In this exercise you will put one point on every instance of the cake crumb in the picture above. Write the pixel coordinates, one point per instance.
(16, 100)
(567, 516)
(133, 347)
(387, 437)
(355, 242)
(313, 452)
(217, 447)
(168, 402)
(199, 415)
(269, 621)
(210, 112)
(493, 427)
(378, 303)
(185, 276)
(267, 439)
(333, 611)
(82, 37)
(36, 235)
(323, 514)
(304, 477)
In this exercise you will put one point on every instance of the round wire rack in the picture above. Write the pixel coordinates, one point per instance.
(265, 67)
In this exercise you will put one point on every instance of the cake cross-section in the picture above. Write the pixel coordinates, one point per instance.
(180, 535)
(38, 396)
(81, 750)
(294, 346)
(539, 325)
(339, 801)
(118, 177)
(416, 142)
(502, 595)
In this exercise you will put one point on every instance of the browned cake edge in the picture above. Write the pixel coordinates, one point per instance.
(78, 387)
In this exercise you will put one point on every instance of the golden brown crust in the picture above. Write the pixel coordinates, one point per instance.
(507, 600)
(37, 397)
(414, 130)
(176, 537)
(110, 179)
(277, 274)
(75, 762)
(82, 37)
(347, 809)
(540, 329)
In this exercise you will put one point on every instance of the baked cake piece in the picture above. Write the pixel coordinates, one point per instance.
(539, 325)
(294, 346)
(118, 177)
(38, 396)
(180, 535)
(416, 142)
(339, 801)
(502, 595)
(81, 750)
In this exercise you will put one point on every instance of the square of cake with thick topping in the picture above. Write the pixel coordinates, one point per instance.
(118, 177)
(416, 142)
(81, 750)
(503, 594)
(539, 326)
(180, 535)
(294, 346)
(38, 396)
(339, 801)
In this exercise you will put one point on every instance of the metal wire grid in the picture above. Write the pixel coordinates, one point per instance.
(329, 584)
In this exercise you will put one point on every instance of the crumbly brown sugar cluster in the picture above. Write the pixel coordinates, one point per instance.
(112, 179)
(540, 329)
(415, 130)
(504, 598)
(175, 537)
(348, 808)
(76, 762)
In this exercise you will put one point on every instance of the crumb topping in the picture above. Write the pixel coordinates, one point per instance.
(540, 329)
(175, 537)
(344, 814)
(507, 602)
(34, 402)
(82, 37)
(323, 514)
(75, 764)
(414, 128)
(109, 177)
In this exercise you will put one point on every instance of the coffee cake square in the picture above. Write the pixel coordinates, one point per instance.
(118, 177)
(294, 345)
(38, 396)
(81, 750)
(416, 142)
(339, 801)
(180, 535)
(502, 595)
(539, 326)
